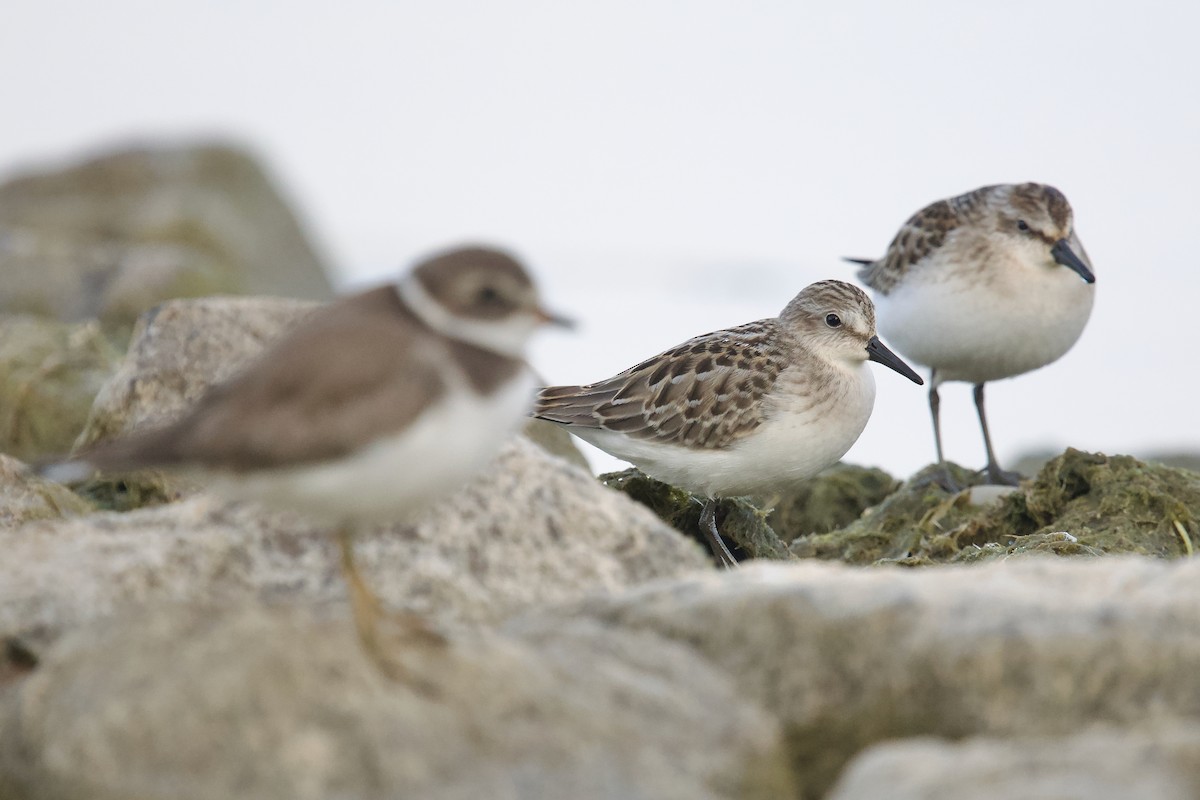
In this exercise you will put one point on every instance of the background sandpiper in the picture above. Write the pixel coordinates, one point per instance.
(983, 286)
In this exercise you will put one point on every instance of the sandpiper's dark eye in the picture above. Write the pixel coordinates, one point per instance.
(1022, 225)
(833, 320)
(488, 296)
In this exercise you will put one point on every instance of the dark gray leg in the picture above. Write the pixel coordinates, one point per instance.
(995, 474)
(708, 524)
(935, 405)
(942, 476)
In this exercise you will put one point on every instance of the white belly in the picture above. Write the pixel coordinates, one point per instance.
(979, 331)
(394, 478)
(795, 443)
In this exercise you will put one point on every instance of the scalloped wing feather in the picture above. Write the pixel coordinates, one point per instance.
(703, 393)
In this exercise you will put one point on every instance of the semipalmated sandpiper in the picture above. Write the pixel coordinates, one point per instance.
(747, 411)
(983, 286)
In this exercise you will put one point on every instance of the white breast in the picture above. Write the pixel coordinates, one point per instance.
(798, 440)
(977, 327)
(396, 477)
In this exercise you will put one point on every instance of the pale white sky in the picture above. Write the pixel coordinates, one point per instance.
(671, 168)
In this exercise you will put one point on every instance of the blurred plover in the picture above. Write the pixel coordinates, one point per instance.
(368, 411)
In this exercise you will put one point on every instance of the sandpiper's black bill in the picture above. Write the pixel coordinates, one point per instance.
(878, 352)
(1064, 255)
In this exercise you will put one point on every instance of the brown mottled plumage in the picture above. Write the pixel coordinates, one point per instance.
(746, 411)
(928, 229)
(704, 393)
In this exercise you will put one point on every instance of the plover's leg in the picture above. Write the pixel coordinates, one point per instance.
(708, 524)
(363, 602)
(369, 613)
(995, 474)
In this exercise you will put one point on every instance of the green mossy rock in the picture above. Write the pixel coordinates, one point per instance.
(49, 374)
(834, 498)
(24, 497)
(1079, 504)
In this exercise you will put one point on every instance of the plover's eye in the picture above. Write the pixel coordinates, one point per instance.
(833, 320)
(488, 296)
(1022, 225)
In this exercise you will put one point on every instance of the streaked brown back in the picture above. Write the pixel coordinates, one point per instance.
(703, 393)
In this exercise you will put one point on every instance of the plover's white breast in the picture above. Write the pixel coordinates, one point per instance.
(396, 476)
(975, 325)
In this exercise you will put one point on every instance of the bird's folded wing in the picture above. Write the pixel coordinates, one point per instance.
(333, 385)
(704, 393)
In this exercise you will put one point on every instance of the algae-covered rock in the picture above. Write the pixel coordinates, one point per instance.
(24, 497)
(113, 236)
(743, 526)
(834, 498)
(1112, 503)
(49, 374)
(1079, 504)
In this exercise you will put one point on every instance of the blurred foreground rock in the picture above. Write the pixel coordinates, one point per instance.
(531, 531)
(272, 703)
(1150, 763)
(762, 682)
(847, 657)
(49, 374)
(113, 236)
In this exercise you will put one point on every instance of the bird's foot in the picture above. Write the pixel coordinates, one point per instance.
(942, 478)
(708, 524)
(999, 477)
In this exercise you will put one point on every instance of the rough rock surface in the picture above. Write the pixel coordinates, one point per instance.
(49, 373)
(1111, 764)
(209, 704)
(847, 656)
(531, 531)
(113, 236)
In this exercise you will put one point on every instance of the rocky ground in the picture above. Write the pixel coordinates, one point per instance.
(888, 639)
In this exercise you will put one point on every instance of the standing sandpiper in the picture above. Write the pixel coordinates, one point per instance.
(751, 410)
(983, 286)
(371, 409)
